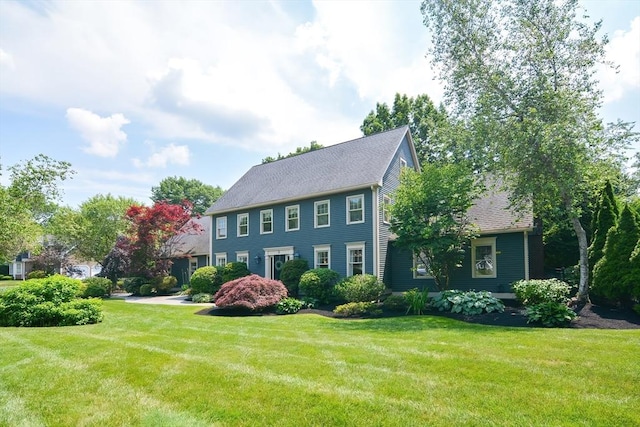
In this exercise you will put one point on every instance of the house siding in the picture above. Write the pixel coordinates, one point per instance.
(180, 268)
(509, 262)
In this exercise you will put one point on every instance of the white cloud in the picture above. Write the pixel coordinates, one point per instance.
(169, 154)
(102, 133)
(624, 51)
(6, 60)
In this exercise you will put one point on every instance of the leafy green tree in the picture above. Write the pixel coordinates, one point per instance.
(175, 190)
(521, 74)
(612, 273)
(313, 146)
(430, 216)
(605, 217)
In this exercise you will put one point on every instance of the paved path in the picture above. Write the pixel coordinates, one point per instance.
(166, 300)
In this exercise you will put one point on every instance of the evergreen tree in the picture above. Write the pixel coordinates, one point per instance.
(605, 217)
(634, 273)
(612, 274)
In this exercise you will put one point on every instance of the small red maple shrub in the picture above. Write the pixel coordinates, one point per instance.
(252, 293)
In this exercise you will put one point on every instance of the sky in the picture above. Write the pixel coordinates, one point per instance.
(132, 92)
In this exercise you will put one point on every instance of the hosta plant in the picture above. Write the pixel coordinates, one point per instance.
(468, 303)
(550, 314)
(289, 306)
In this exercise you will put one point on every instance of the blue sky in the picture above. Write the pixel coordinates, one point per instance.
(133, 92)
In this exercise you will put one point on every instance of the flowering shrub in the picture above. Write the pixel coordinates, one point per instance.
(252, 293)
(289, 306)
(467, 303)
(530, 292)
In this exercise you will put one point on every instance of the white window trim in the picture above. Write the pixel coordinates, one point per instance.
(349, 222)
(484, 241)
(321, 248)
(242, 215)
(219, 256)
(286, 217)
(219, 236)
(415, 270)
(386, 203)
(352, 246)
(315, 213)
(403, 163)
(262, 222)
(241, 254)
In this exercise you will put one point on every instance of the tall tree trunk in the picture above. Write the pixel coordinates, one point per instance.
(583, 287)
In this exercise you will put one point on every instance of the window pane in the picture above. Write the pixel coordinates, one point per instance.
(355, 209)
(484, 260)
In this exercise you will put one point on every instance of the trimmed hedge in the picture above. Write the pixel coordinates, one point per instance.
(319, 283)
(205, 280)
(234, 270)
(291, 273)
(360, 288)
(96, 287)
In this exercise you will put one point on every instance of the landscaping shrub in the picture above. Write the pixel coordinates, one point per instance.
(530, 292)
(5, 277)
(205, 280)
(201, 298)
(396, 303)
(234, 270)
(360, 288)
(37, 274)
(468, 303)
(146, 290)
(416, 300)
(132, 284)
(358, 309)
(253, 293)
(291, 272)
(319, 283)
(96, 287)
(164, 284)
(550, 314)
(48, 302)
(289, 306)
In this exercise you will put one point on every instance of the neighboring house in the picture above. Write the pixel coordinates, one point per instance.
(21, 266)
(329, 207)
(190, 250)
(24, 264)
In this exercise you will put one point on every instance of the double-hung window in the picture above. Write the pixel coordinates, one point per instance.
(355, 209)
(355, 258)
(322, 256)
(243, 224)
(243, 256)
(483, 258)
(421, 267)
(221, 227)
(266, 221)
(321, 217)
(293, 218)
(386, 212)
(221, 259)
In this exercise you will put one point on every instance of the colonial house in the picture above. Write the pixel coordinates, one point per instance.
(329, 206)
(190, 250)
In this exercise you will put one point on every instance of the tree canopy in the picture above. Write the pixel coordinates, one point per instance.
(174, 190)
(313, 145)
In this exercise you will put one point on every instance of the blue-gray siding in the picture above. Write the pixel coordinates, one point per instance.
(180, 268)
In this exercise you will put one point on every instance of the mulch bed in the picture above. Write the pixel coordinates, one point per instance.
(590, 316)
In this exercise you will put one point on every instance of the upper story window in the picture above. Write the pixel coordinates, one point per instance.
(386, 212)
(355, 258)
(243, 224)
(322, 218)
(322, 256)
(293, 218)
(355, 209)
(266, 221)
(483, 258)
(221, 227)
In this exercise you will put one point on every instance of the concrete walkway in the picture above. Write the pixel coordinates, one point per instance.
(165, 300)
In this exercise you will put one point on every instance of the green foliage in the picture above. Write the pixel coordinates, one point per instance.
(530, 292)
(430, 216)
(416, 300)
(291, 272)
(289, 306)
(5, 277)
(132, 284)
(360, 288)
(164, 284)
(48, 302)
(146, 290)
(96, 287)
(37, 274)
(313, 145)
(252, 293)
(175, 190)
(202, 298)
(468, 303)
(319, 283)
(606, 216)
(636, 308)
(396, 303)
(358, 309)
(613, 275)
(205, 280)
(234, 270)
(550, 314)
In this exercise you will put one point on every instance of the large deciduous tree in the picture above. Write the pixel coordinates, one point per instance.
(175, 190)
(313, 146)
(429, 216)
(522, 74)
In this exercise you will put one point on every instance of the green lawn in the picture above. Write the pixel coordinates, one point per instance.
(158, 365)
(9, 283)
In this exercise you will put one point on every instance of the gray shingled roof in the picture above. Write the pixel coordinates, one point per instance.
(492, 212)
(353, 164)
(191, 244)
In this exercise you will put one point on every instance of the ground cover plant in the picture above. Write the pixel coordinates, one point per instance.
(304, 369)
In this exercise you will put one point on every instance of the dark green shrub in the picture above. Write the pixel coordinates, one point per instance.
(291, 272)
(416, 300)
(132, 284)
(146, 290)
(468, 303)
(550, 314)
(358, 309)
(360, 288)
(37, 274)
(5, 277)
(289, 306)
(319, 283)
(48, 302)
(396, 303)
(96, 287)
(205, 280)
(201, 298)
(234, 270)
(164, 284)
(530, 292)
(252, 293)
